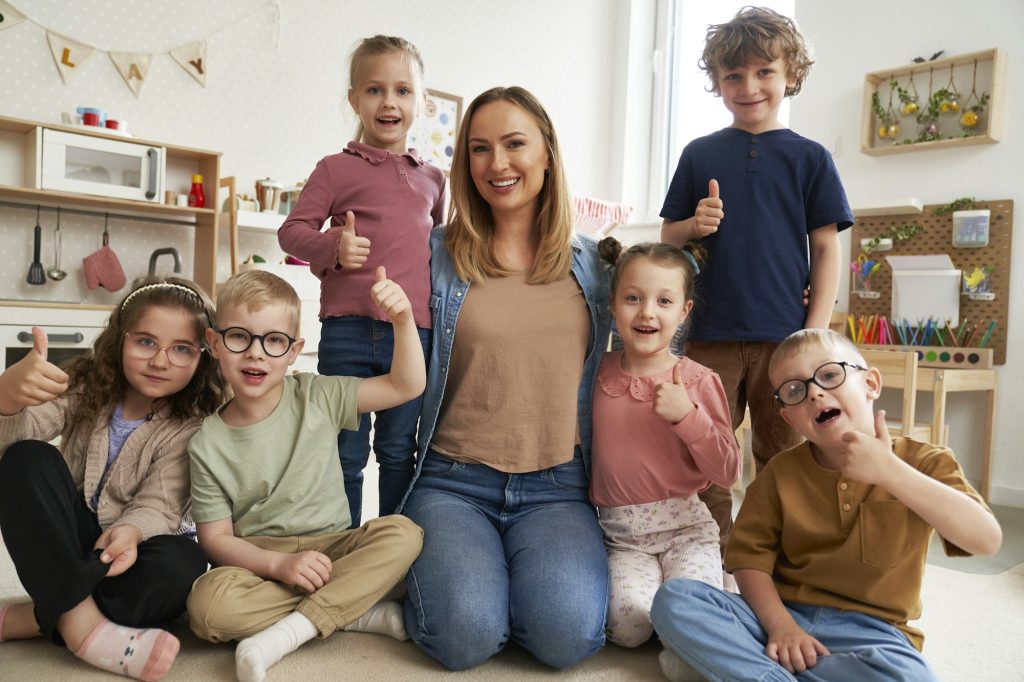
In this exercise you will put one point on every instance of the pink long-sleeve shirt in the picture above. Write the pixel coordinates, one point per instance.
(396, 200)
(638, 457)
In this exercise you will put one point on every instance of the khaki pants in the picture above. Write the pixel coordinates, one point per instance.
(743, 369)
(231, 603)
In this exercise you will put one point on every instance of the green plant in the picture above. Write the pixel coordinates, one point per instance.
(961, 204)
(897, 234)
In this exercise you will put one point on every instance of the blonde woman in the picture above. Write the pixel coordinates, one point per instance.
(512, 548)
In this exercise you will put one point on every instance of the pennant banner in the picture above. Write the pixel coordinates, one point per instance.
(68, 54)
(192, 58)
(133, 67)
(9, 16)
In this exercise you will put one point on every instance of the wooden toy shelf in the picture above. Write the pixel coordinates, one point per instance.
(984, 71)
(936, 238)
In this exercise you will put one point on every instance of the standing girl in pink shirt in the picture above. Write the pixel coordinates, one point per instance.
(386, 200)
(662, 433)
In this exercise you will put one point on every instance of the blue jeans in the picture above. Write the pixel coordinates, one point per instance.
(718, 634)
(505, 555)
(362, 347)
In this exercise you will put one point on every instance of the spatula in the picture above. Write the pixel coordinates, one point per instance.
(36, 273)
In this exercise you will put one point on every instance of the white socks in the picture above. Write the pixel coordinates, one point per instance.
(676, 669)
(257, 653)
(383, 618)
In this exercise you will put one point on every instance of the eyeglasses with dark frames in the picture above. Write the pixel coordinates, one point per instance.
(239, 339)
(829, 376)
(145, 347)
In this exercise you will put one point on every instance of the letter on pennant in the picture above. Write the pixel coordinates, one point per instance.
(68, 54)
(192, 58)
(133, 67)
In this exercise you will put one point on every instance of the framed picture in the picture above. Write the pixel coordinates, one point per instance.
(433, 134)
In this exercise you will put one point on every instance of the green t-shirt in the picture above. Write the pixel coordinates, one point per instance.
(281, 476)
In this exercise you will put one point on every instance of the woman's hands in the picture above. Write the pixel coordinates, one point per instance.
(32, 380)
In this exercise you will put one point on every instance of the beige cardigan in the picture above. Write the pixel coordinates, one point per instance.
(147, 485)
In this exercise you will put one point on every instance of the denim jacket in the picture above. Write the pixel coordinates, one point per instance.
(447, 294)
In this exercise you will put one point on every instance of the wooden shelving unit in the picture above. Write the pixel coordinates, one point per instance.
(180, 164)
(991, 78)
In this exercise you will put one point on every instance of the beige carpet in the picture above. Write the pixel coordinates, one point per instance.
(973, 624)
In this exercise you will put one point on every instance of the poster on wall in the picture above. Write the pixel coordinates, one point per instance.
(433, 134)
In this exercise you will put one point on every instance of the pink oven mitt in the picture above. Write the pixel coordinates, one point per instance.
(103, 269)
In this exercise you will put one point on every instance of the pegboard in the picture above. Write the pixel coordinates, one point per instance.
(937, 238)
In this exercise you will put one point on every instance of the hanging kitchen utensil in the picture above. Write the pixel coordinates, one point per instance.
(55, 273)
(102, 268)
(36, 274)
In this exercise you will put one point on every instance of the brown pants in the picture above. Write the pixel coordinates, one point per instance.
(743, 369)
(230, 603)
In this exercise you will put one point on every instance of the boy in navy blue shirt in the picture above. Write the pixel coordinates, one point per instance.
(767, 205)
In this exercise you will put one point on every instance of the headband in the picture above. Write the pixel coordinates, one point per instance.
(159, 285)
(693, 261)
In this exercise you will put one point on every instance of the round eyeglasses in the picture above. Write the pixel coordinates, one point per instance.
(829, 376)
(239, 339)
(145, 347)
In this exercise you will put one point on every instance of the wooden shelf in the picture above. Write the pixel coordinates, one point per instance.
(180, 164)
(991, 78)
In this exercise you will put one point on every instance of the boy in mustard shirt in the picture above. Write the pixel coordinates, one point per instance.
(830, 544)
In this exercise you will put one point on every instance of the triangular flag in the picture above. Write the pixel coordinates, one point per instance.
(68, 54)
(192, 58)
(133, 67)
(9, 16)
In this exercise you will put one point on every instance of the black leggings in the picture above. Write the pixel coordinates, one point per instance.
(50, 532)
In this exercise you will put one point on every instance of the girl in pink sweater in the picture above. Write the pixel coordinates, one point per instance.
(662, 433)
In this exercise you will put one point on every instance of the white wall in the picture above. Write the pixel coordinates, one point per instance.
(851, 39)
(276, 111)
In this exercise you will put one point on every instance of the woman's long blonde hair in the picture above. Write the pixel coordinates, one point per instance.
(470, 233)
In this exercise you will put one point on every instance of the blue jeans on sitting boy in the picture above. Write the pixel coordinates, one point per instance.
(718, 634)
(504, 556)
(362, 347)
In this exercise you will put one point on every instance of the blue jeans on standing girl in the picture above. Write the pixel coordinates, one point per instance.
(362, 347)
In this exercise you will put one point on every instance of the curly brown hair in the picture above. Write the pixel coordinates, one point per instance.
(756, 33)
(99, 377)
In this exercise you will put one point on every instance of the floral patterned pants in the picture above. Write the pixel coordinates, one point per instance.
(648, 544)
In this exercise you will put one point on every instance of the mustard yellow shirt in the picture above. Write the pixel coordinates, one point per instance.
(830, 541)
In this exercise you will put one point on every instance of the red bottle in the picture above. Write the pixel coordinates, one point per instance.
(196, 197)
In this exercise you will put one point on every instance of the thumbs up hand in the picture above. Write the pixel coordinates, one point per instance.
(671, 401)
(353, 250)
(869, 458)
(709, 213)
(389, 298)
(32, 380)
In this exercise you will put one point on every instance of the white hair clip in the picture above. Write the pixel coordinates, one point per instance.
(159, 285)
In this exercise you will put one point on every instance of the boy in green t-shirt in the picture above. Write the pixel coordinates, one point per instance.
(267, 492)
(830, 544)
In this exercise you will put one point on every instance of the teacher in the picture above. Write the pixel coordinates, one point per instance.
(511, 548)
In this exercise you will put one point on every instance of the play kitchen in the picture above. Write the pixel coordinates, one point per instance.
(103, 203)
(70, 329)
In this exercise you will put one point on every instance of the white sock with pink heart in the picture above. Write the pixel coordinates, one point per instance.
(145, 654)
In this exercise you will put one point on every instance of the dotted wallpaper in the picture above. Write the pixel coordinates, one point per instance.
(275, 111)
